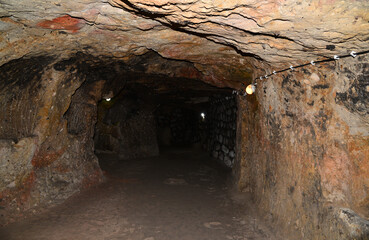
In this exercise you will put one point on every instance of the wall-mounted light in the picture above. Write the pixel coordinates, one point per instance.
(203, 116)
(250, 89)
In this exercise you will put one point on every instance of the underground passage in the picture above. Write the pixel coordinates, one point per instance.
(155, 120)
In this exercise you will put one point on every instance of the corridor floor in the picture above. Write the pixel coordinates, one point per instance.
(177, 196)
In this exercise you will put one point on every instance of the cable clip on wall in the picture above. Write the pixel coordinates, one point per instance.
(251, 88)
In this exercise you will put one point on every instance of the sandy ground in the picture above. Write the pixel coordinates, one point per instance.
(177, 196)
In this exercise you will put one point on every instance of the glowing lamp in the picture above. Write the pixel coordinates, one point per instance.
(203, 116)
(250, 89)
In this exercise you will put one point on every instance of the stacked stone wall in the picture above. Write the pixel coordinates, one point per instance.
(221, 129)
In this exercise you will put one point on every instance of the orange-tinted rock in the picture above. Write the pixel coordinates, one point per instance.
(65, 22)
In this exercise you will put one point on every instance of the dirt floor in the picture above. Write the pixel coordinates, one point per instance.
(177, 196)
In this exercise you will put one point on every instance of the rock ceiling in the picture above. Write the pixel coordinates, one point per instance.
(224, 40)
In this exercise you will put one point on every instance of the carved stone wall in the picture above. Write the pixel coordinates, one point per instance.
(303, 150)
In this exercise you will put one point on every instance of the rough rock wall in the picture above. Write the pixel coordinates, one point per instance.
(221, 129)
(41, 159)
(279, 31)
(303, 149)
(127, 127)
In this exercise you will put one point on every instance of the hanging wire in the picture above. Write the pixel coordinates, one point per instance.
(352, 54)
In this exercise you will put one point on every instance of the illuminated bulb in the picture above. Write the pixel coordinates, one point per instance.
(108, 99)
(250, 89)
(203, 116)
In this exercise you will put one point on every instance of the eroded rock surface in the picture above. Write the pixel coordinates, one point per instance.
(279, 32)
(41, 161)
(302, 142)
(275, 31)
(303, 152)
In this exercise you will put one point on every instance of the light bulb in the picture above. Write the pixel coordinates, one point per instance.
(250, 89)
(108, 99)
(203, 116)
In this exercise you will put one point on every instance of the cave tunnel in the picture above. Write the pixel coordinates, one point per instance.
(184, 120)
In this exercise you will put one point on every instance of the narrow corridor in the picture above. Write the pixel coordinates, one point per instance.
(180, 195)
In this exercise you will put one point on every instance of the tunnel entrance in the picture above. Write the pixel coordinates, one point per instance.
(141, 121)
